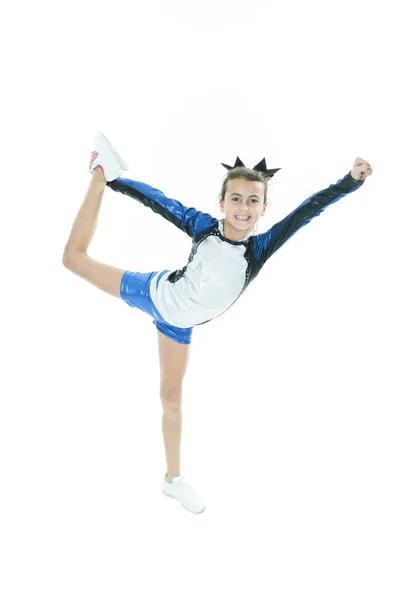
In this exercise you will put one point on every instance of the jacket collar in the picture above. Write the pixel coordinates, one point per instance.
(246, 237)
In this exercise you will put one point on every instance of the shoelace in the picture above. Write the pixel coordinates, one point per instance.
(183, 485)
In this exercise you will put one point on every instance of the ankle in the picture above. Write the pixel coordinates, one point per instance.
(98, 174)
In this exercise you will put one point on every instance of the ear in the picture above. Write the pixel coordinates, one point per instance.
(222, 206)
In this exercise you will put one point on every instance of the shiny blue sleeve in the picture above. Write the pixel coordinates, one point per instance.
(265, 244)
(189, 220)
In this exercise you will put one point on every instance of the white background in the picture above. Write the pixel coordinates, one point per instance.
(291, 398)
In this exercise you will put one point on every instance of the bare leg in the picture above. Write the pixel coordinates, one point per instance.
(75, 258)
(86, 220)
(173, 364)
(172, 433)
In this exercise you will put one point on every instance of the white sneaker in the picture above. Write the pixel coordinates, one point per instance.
(108, 158)
(182, 491)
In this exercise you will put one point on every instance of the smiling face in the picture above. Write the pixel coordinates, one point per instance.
(242, 206)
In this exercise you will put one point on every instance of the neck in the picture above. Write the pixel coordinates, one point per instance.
(232, 234)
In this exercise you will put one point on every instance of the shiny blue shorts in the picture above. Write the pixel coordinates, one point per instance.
(135, 290)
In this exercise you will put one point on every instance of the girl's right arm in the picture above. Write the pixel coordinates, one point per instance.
(189, 220)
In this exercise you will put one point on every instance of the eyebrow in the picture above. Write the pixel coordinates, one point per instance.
(237, 194)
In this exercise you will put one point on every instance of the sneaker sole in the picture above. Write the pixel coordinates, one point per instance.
(113, 151)
(191, 511)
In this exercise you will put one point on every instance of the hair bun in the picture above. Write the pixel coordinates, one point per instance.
(261, 166)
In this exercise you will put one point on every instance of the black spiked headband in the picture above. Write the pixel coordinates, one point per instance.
(261, 166)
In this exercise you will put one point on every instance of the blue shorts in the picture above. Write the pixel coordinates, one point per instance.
(135, 290)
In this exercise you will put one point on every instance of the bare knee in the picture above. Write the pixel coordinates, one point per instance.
(171, 398)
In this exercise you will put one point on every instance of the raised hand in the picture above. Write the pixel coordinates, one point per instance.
(361, 169)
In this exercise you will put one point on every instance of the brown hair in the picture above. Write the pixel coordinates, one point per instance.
(248, 174)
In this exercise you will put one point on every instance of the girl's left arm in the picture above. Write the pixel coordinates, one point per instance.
(265, 244)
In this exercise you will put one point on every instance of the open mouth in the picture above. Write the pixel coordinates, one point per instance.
(242, 218)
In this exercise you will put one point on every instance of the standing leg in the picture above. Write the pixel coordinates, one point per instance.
(174, 359)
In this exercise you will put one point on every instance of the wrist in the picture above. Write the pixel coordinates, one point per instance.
(353, 178)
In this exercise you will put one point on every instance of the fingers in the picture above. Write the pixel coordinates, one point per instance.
(93, 157)
(364, 166)
(360, 161)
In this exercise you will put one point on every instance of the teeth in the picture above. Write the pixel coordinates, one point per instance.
(242, 218)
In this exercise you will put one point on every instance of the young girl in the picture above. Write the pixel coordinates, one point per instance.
(226, 256)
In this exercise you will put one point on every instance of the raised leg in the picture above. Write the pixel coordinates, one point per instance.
(86, 220)
(75, 258)
(174, 359)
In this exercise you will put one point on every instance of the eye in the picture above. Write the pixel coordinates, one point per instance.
(236, 198)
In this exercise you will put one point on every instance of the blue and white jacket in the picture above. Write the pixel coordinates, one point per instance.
(219, 270)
